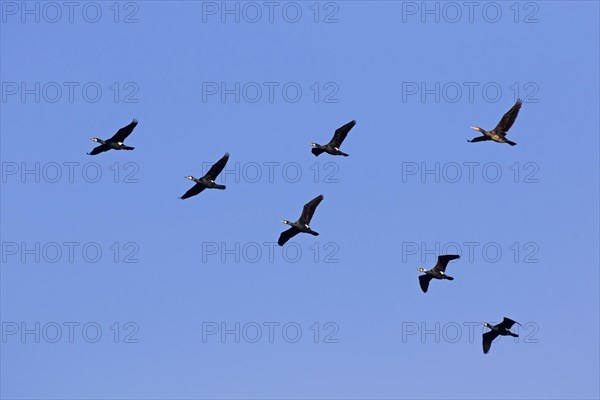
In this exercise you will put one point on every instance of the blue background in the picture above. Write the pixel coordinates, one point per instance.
(371, 294)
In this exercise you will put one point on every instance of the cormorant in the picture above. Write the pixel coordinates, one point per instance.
(302, 225)
(115, 142)
(437, 272)
(208, 180)
(502, 329)
(498, 134)
(333, 147)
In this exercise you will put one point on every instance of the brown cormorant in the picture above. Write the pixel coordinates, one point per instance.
(333, 147)
(502, 329)
(437, 272)
(208, 180)
(115, 142)
(302, 225)
(498, 134)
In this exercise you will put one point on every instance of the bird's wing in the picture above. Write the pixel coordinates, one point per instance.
(479, 139)
(194, 190)
(309, 210)
(443, 261)
(341, 133)
(424, 282)
(100, 149)
(287, 235)
(216, 169)
(507, 323)
(488, 338)
(316, 151)
(509, 118)
(122, 133)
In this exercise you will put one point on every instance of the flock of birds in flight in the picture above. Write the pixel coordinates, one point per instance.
(302, 225)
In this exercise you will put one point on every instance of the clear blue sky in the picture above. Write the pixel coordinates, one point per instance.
(405, 75)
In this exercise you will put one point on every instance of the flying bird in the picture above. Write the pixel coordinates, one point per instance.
(303, 223)
(498, 134)
(115, 142)
(208, 180)
(502, 329)
(333, 147)
(437, 272)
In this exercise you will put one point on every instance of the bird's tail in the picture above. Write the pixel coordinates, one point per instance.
(314, 233)
(220, 187)
(511, 143)
(513, 334)
(448, 277)
(344, 154)
(128, 148)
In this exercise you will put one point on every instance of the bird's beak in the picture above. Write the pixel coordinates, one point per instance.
(483, 323)
(283, 222)
(475, 128)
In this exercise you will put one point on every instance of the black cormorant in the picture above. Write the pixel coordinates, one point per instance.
(502, 329)
(333, 147)
(437, 272)
(302, 225)
(115, 142)
(208, 180)
(498, 134)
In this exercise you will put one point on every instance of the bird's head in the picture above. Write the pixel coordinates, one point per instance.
(95, 139)
(314, 145)
(476, 128)
(285, 221)
(421, 269)
(191, 178)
